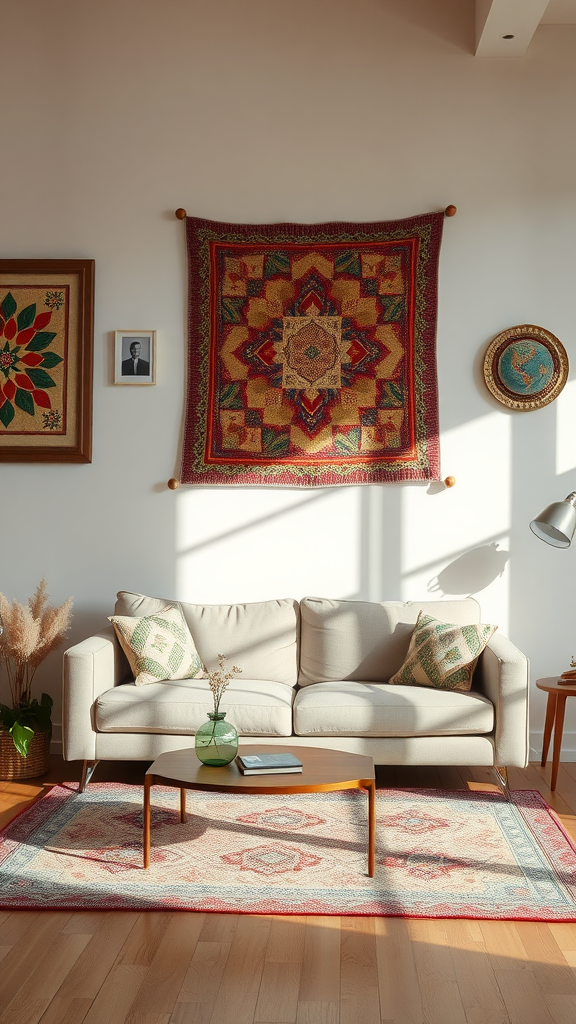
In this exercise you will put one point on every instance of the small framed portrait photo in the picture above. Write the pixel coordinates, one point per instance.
(135, 357)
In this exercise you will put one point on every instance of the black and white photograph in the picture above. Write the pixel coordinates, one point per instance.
(134, 357)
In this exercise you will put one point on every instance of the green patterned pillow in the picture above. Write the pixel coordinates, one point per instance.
(442, 655)
(158, 646)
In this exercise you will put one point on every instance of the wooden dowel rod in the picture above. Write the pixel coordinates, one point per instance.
(448, 212)
(449, 481)
(173, 483)
(181, 214)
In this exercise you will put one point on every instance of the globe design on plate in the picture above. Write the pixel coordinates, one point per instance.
(526, 367)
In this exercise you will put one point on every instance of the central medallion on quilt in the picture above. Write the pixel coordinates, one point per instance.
(312, 353)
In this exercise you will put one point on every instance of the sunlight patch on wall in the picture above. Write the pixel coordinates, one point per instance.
(566, 429)
(255, 544)
(436, 526)
(482, 572)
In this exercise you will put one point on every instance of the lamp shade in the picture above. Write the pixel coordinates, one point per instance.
(556, 524)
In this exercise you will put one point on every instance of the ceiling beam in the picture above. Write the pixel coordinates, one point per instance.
(496, 19)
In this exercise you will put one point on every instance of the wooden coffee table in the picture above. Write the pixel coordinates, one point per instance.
(323, 771)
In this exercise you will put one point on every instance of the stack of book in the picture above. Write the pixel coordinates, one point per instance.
(268, 764)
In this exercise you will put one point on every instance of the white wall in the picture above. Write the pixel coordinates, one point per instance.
(115, 112)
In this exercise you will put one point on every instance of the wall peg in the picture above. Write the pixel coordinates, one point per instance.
(181, 214)
(449, 481)
(448, 212)
(173, 483)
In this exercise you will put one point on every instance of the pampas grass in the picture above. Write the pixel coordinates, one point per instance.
(30, 633)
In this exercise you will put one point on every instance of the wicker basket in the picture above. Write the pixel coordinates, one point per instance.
(14, 766)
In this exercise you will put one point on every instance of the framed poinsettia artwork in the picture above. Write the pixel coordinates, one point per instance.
(46, 345)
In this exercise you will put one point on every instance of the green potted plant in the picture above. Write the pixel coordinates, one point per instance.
(28, 634)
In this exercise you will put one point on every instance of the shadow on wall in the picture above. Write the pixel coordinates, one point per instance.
(471, 572)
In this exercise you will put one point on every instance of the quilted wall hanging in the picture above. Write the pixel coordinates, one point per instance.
(312, 353)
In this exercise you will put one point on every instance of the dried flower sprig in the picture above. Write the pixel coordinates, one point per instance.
(218, 679)
(29, 633)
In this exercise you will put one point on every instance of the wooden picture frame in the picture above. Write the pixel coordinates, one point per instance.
(46, 356)
(525, 367)
(139, 370)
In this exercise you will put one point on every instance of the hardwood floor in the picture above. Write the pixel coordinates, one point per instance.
(181, 968)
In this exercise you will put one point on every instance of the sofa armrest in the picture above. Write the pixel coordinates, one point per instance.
(503, 676)
(90, 668)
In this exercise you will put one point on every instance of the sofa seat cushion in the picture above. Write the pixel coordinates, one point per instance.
(376, 709)
(179, 706)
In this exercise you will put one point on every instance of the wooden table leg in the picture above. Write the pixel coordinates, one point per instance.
(550, 712)
(182, 804)
(558, 728)
(147, 785)
(371, 787)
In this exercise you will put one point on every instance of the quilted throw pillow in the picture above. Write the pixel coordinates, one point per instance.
(442, 654)
(158, 646)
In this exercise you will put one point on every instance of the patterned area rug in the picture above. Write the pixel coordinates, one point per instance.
(312, 352)
(439, 854)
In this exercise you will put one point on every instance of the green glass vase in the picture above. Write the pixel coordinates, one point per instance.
(216, 740)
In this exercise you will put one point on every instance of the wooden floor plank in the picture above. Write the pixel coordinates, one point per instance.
(562, 1009)
(286, 940)
(278, 993)
(92, 967)
(524, 1002)
(67, 1011)
(159, 990)
(450, 777)
(87, 922)
(504, 947)
(565, 936)
(16, 924)
(113, 1002)
(41, 985)
(238, 993)
(428, 777)
(28, 952)
(475, 977)
(436, 974)
(219, 928)
(359, 991)
(319, 995)
(400, 999)
(201, 983)
(144, 938)
(551, 972)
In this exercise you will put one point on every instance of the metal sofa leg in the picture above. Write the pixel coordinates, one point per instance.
(501, 774)
(88, 769)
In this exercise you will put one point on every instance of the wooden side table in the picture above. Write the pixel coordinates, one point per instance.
(554, 718)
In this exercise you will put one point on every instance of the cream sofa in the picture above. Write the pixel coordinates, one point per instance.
(313, 672)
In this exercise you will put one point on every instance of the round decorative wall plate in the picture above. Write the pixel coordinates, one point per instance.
(525, 367)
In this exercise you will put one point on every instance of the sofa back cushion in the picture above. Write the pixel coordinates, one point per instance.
(260, 637)
(364, 640)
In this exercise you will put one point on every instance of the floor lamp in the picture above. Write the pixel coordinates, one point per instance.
(556, 525)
